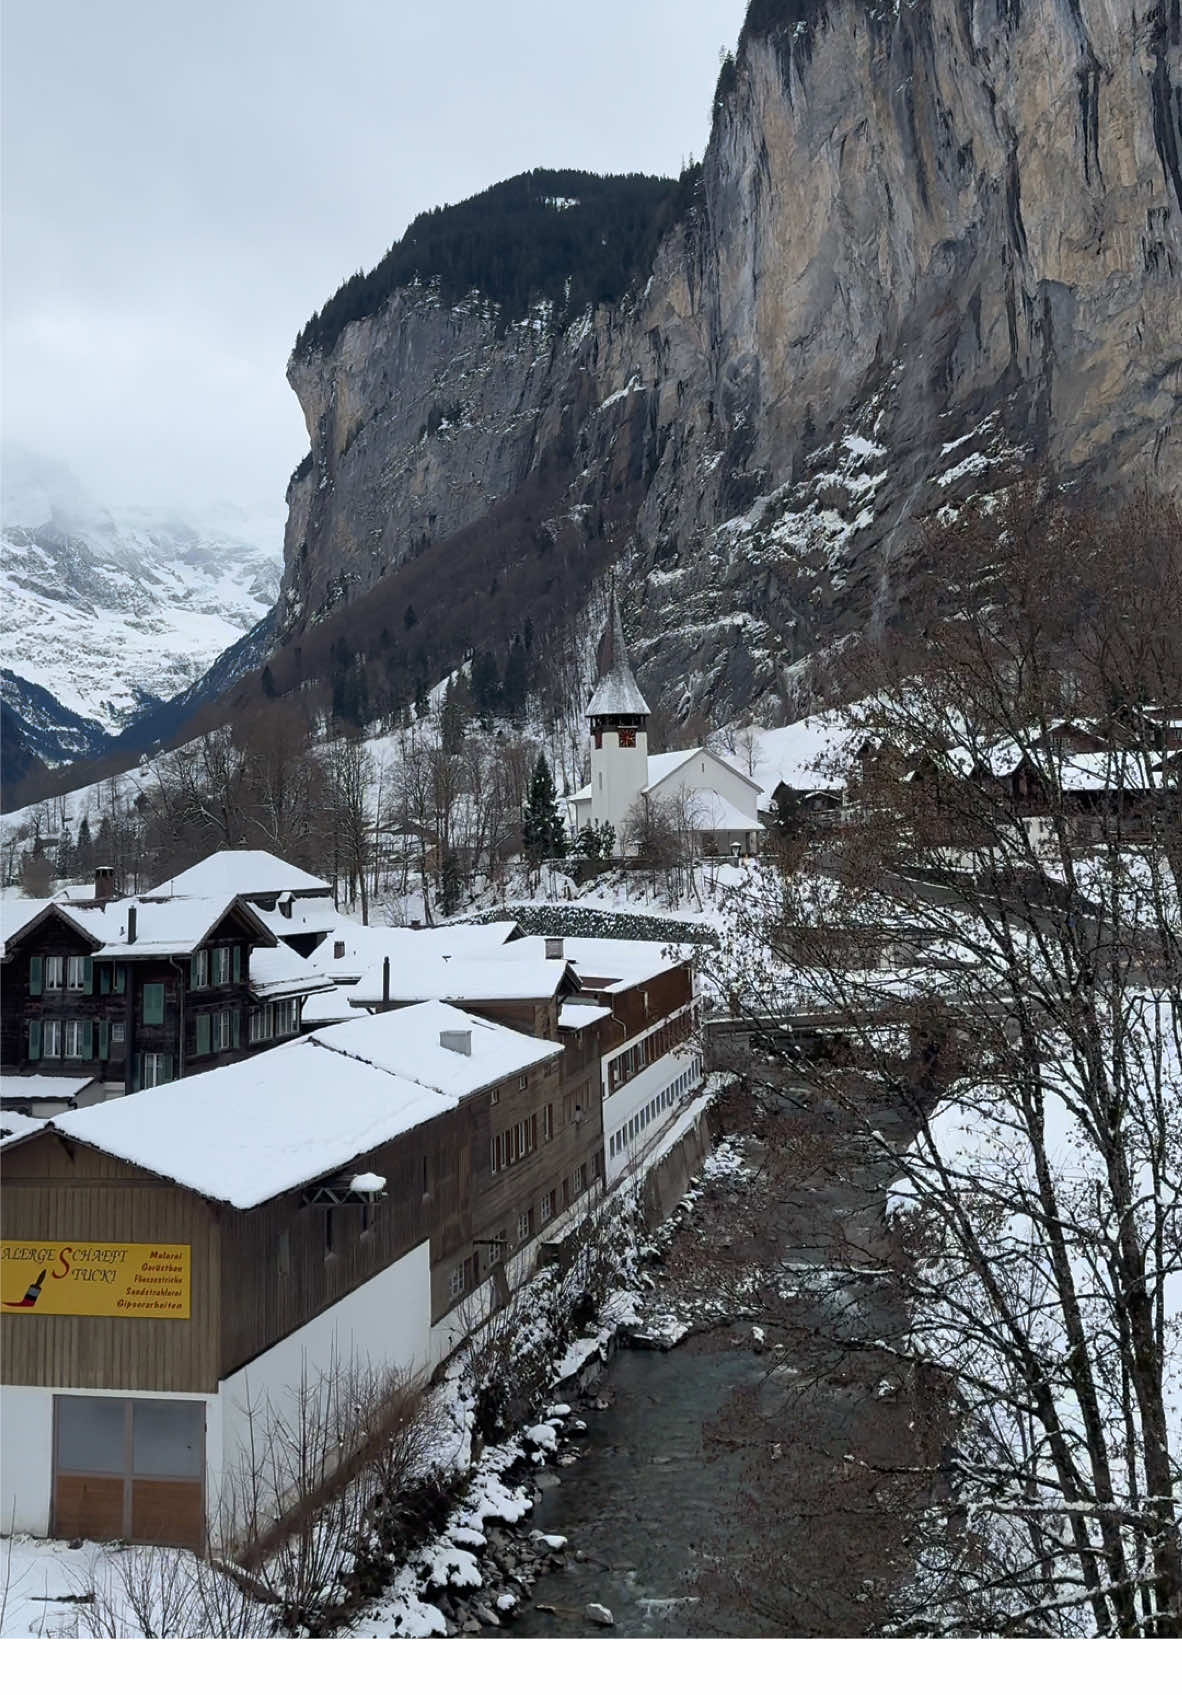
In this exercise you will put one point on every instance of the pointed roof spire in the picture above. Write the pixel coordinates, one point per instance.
(616, 690)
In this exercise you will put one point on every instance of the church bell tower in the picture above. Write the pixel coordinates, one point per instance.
(618, 714)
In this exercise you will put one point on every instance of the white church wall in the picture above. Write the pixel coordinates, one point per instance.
(706, 771)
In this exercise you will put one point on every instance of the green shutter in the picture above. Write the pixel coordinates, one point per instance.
(104, 979)
(87, 1038)
(35, 1038)
(237, 969)
(104, 1039)
(193, 972)
(36, 973)
(203, 1046)
(234, 1027)
(167, 1068)
(88, 976)
(153, 1003)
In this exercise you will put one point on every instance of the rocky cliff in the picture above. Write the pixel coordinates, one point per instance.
(932, 240)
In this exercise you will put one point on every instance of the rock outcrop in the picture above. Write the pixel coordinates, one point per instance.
(933, 240)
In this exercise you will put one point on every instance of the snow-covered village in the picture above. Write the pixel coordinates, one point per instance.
(612, 1067)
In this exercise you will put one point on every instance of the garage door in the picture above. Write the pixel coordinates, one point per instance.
(129, 1470)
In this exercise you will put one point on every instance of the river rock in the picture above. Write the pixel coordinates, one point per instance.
(488, 1617)
(594, 1613)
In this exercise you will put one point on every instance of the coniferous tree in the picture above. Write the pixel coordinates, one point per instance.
(543, 832)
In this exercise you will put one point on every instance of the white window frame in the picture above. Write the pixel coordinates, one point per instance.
(76, 971)
(524, 1227)
(51, 1039)
(221, 967)
(54, 968)
(118, 1033)
(545, 1209)
(72, 1041)
(202, 973)
(457, 1282)
(221, 1031)
(151, 1064)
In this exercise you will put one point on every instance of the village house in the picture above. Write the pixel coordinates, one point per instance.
(295, 905)
(362, 1196)
(713, 807)
(140, 992)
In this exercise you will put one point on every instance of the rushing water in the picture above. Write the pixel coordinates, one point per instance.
(645, 1500)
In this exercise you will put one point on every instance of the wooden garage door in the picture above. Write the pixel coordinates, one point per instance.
(129, 1470)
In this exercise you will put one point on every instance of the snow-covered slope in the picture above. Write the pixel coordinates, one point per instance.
(111, 611)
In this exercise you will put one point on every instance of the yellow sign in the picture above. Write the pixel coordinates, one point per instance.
(96, 1279)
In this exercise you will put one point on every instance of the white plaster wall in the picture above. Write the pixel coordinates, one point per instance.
(707, 771)
(386, 1322)
(636, 1093)
(617, 776)
(26, 1459)
(26, 1448)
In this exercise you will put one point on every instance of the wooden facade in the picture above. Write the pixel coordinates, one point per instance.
(129, 1022)
(259, 1275)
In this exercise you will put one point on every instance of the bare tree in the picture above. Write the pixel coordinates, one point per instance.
(1012, 1042)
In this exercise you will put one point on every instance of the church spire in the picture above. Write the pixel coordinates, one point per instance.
(616, 693)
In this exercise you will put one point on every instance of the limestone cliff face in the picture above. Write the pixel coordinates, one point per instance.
(933, 239)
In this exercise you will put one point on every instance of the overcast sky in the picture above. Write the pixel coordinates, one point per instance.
(186, 181)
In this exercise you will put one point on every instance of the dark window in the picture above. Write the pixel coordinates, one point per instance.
(91, 1434)
(167, 1438)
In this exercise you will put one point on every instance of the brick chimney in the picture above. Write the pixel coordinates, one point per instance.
(104, 883)
(554, 947)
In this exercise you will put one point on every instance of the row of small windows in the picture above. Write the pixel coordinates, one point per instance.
(56, 973)
(213, 967)
(640, 1121)
(648, 1050)
(210, 1032)
(522, 1084)
(74, 1038)
(76, 974)
(465, 1276)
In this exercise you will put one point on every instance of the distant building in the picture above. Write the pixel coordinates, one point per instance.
(713, 807)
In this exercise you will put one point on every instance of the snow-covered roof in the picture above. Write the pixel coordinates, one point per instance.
(311, 915)
(248, 1132)
(241, 871)
(367, 945)
(333, 1007)
(617, 690)
(16, 912)
(430, 978)
(16, 1125)
(42, 1086)
(164, 927)
(607, 960)
(575, 1016)
(408, 1042)
(279, 971)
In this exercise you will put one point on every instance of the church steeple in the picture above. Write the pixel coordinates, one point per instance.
(616, 693)
(619, 717)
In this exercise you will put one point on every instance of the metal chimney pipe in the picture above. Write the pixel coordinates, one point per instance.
(386, 981)
(131, 919)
